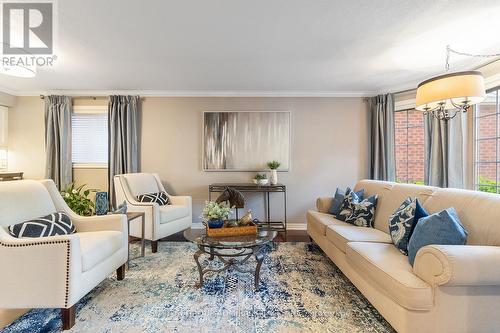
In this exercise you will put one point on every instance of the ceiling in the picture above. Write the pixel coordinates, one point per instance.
(237, 47)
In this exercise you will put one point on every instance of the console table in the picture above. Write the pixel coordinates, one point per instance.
(252, 188)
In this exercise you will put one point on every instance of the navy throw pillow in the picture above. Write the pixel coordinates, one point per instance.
(442, 228)
(160, 198)
(356, 211)
(338, 199)
(51, 225)
(403, 221)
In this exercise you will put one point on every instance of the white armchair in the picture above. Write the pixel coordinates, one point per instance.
(161, 221)
(55, 272)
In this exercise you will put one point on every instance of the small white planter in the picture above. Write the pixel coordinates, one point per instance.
(261, 181)
(274, 177)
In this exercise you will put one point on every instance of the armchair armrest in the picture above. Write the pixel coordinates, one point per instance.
(27, 262)
(458, 265)
(323, 204)
(116, 222)
(182, 200)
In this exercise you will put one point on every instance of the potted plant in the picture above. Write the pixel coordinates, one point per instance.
(260, 179)
(215, 213)
(273, 166)
(78, 199)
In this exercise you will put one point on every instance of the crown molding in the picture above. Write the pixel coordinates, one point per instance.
(193, 93)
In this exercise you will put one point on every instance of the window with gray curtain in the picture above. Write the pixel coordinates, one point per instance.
(487, 144)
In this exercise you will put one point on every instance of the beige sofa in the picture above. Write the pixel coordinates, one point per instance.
(450, 288)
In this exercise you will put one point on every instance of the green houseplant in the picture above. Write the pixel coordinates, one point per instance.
(215, 213)
(78, 199)
(274, 165)
(260, 179)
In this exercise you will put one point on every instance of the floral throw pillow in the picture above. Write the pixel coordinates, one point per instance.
(403, 222)
(356, 211)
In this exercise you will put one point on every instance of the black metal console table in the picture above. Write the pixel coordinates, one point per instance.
(253, 188)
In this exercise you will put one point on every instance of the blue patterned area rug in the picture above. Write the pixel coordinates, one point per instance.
(301, 291)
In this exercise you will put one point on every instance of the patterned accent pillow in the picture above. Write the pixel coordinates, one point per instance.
(358, 212)
(403, 222)
(339, 197)
(45, 226)
(160, 198)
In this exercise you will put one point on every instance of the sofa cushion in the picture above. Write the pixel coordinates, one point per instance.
(319, 221)
(97, 246)
(390, 196)
(389, 269)
(169, 213)
(51, 225)
(340, 235)
(443, 228)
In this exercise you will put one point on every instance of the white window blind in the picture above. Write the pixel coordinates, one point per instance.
(90, 138)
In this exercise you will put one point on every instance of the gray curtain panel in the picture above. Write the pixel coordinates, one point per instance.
(382, 161)
(446, 151)
(58, 163)
(123, 114)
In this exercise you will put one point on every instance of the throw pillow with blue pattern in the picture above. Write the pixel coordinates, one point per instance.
(403, 221)
(356, 211)
(339, 197)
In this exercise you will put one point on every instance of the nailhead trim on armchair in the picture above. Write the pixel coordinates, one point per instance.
(68, 248)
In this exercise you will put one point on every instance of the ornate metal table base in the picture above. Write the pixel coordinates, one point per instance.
(230, 259)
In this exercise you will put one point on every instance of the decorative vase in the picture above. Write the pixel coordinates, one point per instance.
(274, 177)
(101, 203)
(215, 223)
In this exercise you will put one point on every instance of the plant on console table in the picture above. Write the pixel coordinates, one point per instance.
(78, 199)
(215, 213)
(274, 165)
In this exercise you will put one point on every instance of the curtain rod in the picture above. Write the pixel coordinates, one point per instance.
(90, 97)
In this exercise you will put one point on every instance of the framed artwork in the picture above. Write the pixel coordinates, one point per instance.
(245, 141)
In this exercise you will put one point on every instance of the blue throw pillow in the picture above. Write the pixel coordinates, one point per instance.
(403, 221)
(356, 211)
(338, 199)
(443, 228)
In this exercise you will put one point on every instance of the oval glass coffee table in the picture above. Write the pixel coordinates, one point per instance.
(232, 251)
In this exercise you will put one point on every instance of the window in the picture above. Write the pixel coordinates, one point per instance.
(486, 139)
(409, 146)
(90, 137)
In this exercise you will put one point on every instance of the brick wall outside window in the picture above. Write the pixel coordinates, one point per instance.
(487, 144)
(409, 146)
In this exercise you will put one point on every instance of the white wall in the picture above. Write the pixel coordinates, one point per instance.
(329, 146)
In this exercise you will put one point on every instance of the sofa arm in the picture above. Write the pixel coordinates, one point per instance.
(181, 200)
(458, 265)
(323, 204)
(27, 263)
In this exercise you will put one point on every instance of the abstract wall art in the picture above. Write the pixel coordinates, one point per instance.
(245, 141)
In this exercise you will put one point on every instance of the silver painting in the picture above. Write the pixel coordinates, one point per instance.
(245, 141)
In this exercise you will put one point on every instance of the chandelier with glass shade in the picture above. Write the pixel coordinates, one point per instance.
(445, 96)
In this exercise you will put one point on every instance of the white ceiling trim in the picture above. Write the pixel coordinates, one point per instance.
(194, 93)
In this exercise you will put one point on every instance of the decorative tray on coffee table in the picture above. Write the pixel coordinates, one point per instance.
(227, 230)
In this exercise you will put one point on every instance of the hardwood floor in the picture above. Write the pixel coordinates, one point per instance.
(291, 236)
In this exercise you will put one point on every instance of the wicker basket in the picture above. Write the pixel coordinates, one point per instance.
(231, 231)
